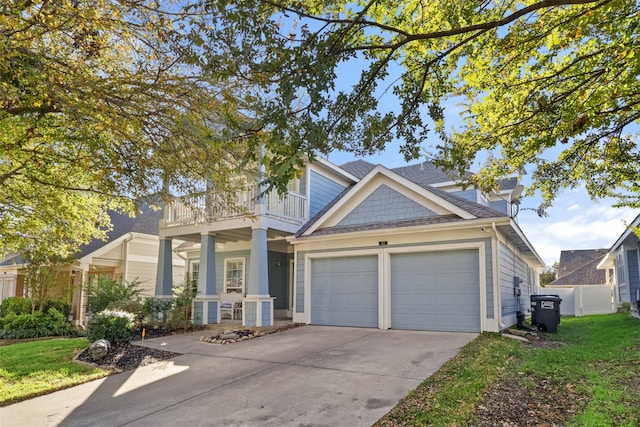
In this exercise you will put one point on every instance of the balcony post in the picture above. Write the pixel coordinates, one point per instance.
(207, 271)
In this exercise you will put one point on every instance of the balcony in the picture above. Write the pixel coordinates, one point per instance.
(210, 207)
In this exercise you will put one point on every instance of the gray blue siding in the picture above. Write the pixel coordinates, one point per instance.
(634, 273)
(266, 313)
(513, 266)
(383, 205)
(500, 206)
(299, 303)
(251, 313)
(212, 312)
(323, 190)
(279, 279)
(198, 307)
(299, 271)
(467, 194)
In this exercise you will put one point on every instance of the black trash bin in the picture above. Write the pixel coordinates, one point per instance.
(545, 312)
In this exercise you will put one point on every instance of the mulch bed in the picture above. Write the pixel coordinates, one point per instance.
(131, 356)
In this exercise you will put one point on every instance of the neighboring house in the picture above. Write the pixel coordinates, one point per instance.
(361, 245)
(11, 277)
(129, 253)
(623, 259)
(583, 287)
(579, 267)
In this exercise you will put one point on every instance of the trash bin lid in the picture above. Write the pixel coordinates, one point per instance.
(555, 298)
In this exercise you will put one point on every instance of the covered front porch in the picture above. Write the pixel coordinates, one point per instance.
(243, 275)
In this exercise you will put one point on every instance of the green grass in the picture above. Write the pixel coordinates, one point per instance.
(595, 365)
(38, 367)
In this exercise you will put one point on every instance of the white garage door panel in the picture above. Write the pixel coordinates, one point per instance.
(344, 291)
(436, 291)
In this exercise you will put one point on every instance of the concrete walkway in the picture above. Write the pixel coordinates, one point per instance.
(308, 376)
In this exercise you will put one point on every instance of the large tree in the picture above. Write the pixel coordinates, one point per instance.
(101, 104)
(549, 88)
(106, 101)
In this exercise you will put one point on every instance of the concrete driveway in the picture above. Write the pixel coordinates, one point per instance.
(308, 376)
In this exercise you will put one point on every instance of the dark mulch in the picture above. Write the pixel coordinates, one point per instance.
(131, 356)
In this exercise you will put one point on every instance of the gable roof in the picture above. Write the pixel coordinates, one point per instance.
(579, 267)
(358, 168)
(11, 260)
(454, 208)
(628, 233)
(571, 260)
(146, 222)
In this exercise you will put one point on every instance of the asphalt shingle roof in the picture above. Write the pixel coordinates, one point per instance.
(419, 174)
(146, 222)
(578, 267)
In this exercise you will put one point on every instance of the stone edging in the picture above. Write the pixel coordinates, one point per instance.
(238, 335)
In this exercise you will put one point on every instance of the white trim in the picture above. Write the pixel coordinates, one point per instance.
(88, 259)
(467, 226)
(244, 274)
(452, 247)
(321, 161)
(291, 307)
(337, 254)
(384, 277)
(497, 297)
(387, 177)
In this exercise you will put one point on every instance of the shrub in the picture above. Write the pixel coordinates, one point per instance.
(15, 305)
(63, 306)
(114, 326)
(108, 293)
(35, 325)
(180, 313)
(157, 309)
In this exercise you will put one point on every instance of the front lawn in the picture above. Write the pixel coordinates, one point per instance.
(585, 375)
(34, 368)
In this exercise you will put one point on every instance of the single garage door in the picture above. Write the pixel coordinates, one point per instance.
(436, 291)
(344, 291)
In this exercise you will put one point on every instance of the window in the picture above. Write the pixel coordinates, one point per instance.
(234, 275)
(194, 269)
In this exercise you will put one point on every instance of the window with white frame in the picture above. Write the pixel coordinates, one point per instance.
(194, 269)
(234, 275)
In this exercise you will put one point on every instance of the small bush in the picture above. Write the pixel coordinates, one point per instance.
(114, 326)
(35, 325)
(108, 293)
(180, 313)
(63, 306)
(157, 309)
(15, 305)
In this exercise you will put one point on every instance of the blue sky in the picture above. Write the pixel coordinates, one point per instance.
(573, 222)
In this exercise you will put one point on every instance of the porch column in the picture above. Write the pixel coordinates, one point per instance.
(84, 296)
(206, 306)
(164, 275)
(207, 271)
(258, 305)
(258, 268)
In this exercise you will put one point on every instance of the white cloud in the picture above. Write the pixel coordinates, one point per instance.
(574, 224)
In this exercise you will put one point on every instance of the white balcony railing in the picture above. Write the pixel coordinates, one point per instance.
(209, 207)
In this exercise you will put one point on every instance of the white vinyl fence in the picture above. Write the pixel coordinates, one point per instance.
(582, 300)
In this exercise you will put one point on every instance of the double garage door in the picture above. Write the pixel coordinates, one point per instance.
(435, 291)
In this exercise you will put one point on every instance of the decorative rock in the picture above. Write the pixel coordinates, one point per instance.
(229, 336)
(99, 349)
